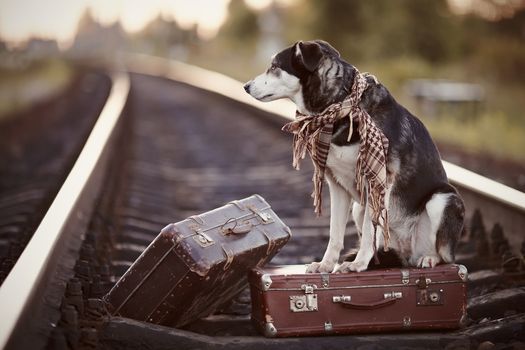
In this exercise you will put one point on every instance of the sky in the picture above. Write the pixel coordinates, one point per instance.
(58, 19)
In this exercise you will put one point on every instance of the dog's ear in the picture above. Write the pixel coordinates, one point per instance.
(328, 47)
(308, 55)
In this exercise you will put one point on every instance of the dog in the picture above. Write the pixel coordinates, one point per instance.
(426, 213)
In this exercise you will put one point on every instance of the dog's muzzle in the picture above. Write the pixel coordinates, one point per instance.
(247, 87)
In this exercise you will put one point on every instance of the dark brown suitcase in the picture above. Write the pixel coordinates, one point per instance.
(195, 265)
(288, 302)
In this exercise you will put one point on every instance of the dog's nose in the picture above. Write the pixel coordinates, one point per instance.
(247, 87)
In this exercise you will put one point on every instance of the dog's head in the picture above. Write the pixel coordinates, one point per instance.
(306, 64)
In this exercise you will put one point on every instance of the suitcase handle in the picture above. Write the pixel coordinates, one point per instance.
(368, 306)
(236, 229)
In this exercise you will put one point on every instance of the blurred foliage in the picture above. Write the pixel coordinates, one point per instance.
(31, 84)
(395, 40)
(240, 30)
(494, 133)
(402, 40)
(163, 37)
(368, 29)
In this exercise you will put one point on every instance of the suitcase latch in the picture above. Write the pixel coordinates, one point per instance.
(422, 283)
(426, 296)
(266, 218)
(306, 302)
(203, 239)
(429, 297)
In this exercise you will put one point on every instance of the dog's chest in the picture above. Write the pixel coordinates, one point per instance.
(341, 162)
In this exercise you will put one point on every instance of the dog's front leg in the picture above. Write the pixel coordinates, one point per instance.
(366, 246)
(339, 209)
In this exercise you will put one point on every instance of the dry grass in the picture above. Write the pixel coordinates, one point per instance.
(40, 81)
(497, 129)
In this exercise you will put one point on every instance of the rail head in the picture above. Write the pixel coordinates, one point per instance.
(28, 273)
(231, 88)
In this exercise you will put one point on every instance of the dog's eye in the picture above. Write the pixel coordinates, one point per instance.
(273, 67)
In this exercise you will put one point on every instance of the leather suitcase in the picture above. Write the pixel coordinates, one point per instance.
(288, 302)
(196, 265)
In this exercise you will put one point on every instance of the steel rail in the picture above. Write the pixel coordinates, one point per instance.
(38, 262)
(473, 187)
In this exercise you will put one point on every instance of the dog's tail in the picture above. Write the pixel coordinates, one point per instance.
(450, 228)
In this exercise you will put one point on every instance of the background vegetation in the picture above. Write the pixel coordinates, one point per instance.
(480, 42)
(39, 81)
(399, 41)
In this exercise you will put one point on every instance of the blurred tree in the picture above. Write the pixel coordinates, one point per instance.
(513, 26)
(386, 23)
(416, 34)
(432, 31)
(340, 22)
(496, 47)
(158, 36)
(240, 29)
(372, 29)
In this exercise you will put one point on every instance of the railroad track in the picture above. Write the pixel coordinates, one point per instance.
(37, 150)
(176, 150)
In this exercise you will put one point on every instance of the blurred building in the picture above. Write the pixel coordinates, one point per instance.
(163, 37)
(41, 49)
(34, 50)
(95, 41)
(440, 96)
(270, 22)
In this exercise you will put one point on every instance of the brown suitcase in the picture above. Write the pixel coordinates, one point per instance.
(288, 302)
(195, 265)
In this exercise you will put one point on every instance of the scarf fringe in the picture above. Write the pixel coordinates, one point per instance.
(371, 175)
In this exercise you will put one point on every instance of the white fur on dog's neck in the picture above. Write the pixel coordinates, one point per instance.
(298, 99)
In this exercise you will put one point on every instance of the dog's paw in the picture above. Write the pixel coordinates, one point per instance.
(428, 261)
(322, 266)
(355, 266)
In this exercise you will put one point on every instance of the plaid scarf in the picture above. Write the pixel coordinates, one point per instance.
(313, 134)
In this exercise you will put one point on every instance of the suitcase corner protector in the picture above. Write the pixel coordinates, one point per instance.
(463, 272)
(266, 282)
(269, 330)
(169, 231)
(259, 197)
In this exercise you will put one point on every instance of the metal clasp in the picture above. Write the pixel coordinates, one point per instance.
(405, 276)
(202, 238)
(325, 279)
(265, 217)
(306, 302)
(422, 283)
(308, 288)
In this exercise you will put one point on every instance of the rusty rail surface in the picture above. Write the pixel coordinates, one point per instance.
(22, 290)
(503, 204)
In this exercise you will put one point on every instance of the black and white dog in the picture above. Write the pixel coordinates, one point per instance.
(425, 212)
